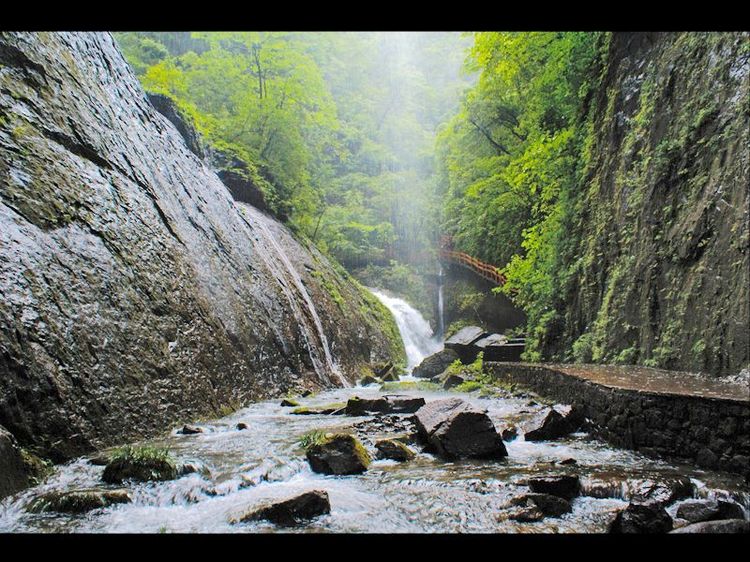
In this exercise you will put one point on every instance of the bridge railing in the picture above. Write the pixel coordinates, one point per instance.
(479, 267)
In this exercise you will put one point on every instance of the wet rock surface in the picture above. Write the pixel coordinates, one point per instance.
(566, 486)
(338, 454)
(696, 511)
(453, 428)
(462, 342)
(388, 404)
(128, 265)
(552, 423)
(13, 471)
(550, 505)
(733, 526)
(79, 501)
(435, 364)
(292, 511)
(647, 518)
(393, 449)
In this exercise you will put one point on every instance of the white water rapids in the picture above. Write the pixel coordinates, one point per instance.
(418, 337)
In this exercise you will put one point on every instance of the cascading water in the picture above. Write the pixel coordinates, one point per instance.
(259, 222)
(419, 340)
(441, 318)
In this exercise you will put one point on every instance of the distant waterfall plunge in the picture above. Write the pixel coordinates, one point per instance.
(416, 333)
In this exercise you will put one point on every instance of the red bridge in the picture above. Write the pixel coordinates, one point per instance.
(485, 270)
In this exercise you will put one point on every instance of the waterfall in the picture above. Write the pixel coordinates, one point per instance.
(289, 272)
(415, 330)
(441, 319)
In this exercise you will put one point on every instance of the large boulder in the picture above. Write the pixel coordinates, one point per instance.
(338, 453)
(291, 511)
(649, 518)
(13, 474)
(697, 511)
(453, 428)
(79, 501)
(388, 404)
(462, 342)
(565, 486)
(662, 491)
(553, 423)
(435, 364)
(723, 526)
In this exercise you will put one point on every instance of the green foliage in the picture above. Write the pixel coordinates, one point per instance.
(314, 437)
(338, 126)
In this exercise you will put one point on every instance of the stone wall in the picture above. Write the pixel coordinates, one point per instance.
(710, 432)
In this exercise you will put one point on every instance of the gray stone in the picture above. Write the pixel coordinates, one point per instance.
(452, 381)
(13, 473)
(462, 342)
(435, 364)
(723, 526)
(696, 511)
(291, 511)
(548, 504)
(388, 404)
(552, 423)
(649, 518)
(453, 428)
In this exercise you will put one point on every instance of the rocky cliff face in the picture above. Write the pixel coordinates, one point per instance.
(662, 212)
(134, 292)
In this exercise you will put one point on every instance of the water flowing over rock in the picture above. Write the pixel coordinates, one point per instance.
(454, 428)
(388, 404)
(292, 511)
(649, 518)
(419, 340)
(135, 292)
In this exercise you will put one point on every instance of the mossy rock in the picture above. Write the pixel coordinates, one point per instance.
(142, 464)
(338, 453)
(326, 409)
(78, 501)
(394, 449)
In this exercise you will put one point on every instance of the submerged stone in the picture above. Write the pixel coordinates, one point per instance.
(565, 486)
(548, 504)
(291, 511)
(79, 501)
(453, 428)
(339, 453)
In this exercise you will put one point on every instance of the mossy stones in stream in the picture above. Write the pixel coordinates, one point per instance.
(140, 463)
(367, 380)
(394, 449)
(337, 453)
(291, 511)
(78, 501)
(337, 408)
(288, 403)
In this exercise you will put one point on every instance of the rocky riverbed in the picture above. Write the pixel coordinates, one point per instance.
(236, 470)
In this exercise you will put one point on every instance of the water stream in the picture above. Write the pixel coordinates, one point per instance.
(426, 495)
